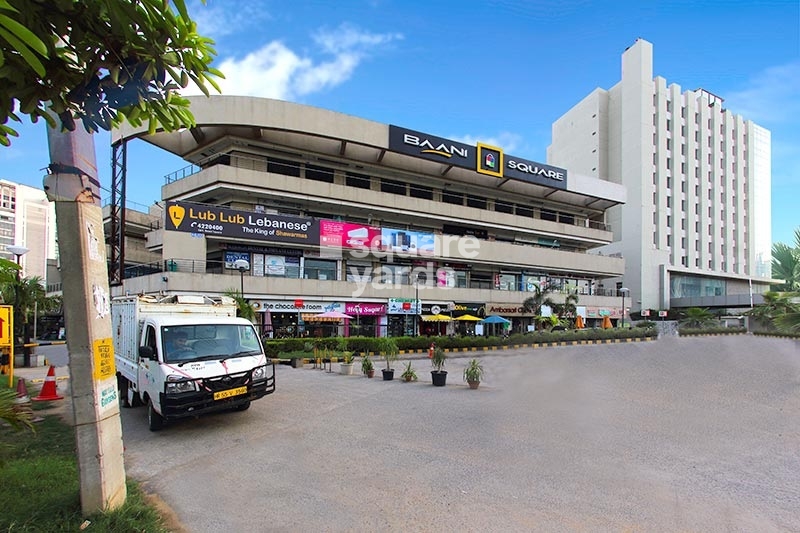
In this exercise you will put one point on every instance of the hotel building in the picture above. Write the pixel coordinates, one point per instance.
(695, 229)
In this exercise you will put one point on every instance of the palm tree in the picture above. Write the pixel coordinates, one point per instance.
(775, 304)
(15, 417)
(534, 304)
(696, 317)
(786, 266)
(26, 295)
(786, 315)
(244, 308)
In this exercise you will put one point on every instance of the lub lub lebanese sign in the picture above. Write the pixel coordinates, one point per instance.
(214, 220)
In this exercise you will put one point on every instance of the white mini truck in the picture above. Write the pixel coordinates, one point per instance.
(187, 355)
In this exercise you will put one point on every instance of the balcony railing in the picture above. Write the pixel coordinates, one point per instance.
(201, 266)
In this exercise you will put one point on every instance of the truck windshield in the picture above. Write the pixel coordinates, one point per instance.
(207, 341)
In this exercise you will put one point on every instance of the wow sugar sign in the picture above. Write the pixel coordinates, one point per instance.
(220, 221)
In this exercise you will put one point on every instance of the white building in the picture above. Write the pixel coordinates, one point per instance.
(695, 230)
(27, 219)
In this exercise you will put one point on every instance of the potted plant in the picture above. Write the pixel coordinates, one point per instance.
(366, 366)
(388, 350)
(346, 366)
(438, 374)
(408, 373)
(473, 373)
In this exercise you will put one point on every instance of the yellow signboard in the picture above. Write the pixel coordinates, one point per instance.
(103, 351)
(6, 335)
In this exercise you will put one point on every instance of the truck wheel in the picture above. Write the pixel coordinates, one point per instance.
(154, 420)
(243, 406)
(122, 386)
(133, 398)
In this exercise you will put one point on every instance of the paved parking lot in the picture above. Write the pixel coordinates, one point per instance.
(697, 434)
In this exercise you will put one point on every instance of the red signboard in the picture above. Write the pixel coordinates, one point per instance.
(298, 303)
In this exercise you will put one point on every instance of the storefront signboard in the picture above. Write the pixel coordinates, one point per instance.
(221, 221)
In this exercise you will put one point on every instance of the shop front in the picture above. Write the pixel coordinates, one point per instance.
(436, 319)
(369, 319)
(402, 316)
(296, 318)
(513, 312)
(466, 315)
(594, 315)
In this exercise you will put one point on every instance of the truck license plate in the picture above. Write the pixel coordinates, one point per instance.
(221, 395)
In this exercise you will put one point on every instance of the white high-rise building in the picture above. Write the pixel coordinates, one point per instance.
(27, 219)
(695, 230)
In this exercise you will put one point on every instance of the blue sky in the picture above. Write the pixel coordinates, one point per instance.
(496, 71)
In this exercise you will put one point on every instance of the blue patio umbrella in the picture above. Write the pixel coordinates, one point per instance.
(495, 319)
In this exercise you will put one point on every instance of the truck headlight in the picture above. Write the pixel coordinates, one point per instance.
(177, 385)
(259, 373)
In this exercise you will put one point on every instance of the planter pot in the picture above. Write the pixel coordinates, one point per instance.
(346, 369)
(370, 373)
(298, 362)
(473, 384)
(439, 378)
(388, 375)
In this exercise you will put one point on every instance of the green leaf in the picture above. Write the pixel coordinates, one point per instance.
(24, 34)
(25, 52)
(181, 7)
(8, 7)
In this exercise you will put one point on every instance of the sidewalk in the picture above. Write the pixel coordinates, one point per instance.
(37, 374)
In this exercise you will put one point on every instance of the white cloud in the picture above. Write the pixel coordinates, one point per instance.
(227, 17)
(508, 141)
(772, 97)
(276, 71)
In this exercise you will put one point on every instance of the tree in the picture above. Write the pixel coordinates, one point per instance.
(696, 317)
(786, 264)
(244, 308)
(534, 304)
(789, 321)
(780, 309)
(100, 62)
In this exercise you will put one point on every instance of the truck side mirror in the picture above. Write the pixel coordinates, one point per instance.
(146, 352)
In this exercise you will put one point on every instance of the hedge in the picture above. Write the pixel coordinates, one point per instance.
(360, 345)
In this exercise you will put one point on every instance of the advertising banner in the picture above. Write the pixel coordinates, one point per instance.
(232, 257)
(405, 242)
(221, 221)
(348, 234)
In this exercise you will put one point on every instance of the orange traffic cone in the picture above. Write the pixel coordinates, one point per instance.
(22, 403)
(22, 391)
(49, 391)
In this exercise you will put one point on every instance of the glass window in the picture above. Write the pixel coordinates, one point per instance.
(393, 186)
(319, 173)
(280, 166)
(359, 181)
(420, 191)
(319, 269)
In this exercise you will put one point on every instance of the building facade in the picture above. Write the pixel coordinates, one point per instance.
(695, 231)
(306, 210)
(27, 219)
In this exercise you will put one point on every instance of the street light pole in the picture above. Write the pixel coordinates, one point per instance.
(18, 252)
(416, 306)
(623, 290)
(241, 265)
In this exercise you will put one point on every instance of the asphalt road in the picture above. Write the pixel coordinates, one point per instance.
(698, 434)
